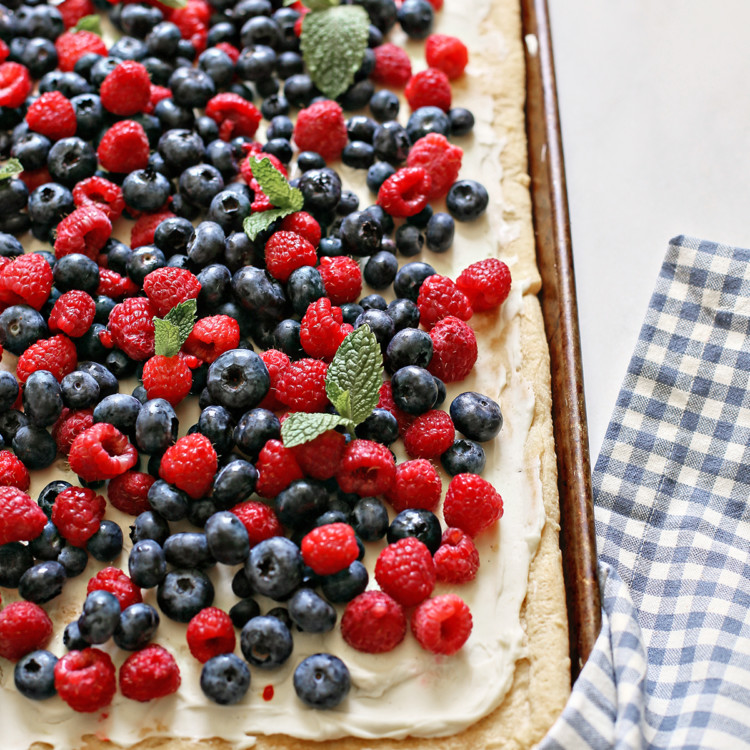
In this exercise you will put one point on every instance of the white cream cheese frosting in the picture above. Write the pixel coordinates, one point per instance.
(408, 691)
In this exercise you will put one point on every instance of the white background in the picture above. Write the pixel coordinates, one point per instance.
(655, 108)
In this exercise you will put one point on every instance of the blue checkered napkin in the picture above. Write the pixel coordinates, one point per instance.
(671, 668)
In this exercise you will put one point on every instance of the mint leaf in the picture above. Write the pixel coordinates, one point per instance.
(183, 317)
(319, 4)
(171, 331)
(11, 168)
(333, 46)
(356, 374)
(260, 221)
(274, 185)
(174, 3)
(301, 427)
(89, 23)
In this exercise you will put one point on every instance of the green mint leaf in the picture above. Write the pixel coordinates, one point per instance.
(167, 340)
(174, 3)
(333, 46)
(357, 371)
(11, 168)
(274, 185)
(258, 222)
(183, 317)
(341, 400)
(301, 427)
(89, 23)
(320, 4)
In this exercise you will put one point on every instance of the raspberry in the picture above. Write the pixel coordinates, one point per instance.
(276, 363)
(456, 559)
(69, 425)
(442, 625)
(27, 280)
(486, 283)
(303, 224)
(111, 284)
(417, 485)
(392, 66)
(72, 11)
(72, 314)
(454, 350)
(406, 192)
(446, 53)
(429, 88)
(259, 521)
(234, 115)
(143, 230)
(149, 673)
(124, 148)
(229, 49)
(167, 377)
(15, 84)
(440, 159)
(471, 504)
(190, 465)
(58, 355)
(12, 471)
(287, 251)
(85, 680)
(430, 435)
(320, 458)
(84, 231)
(73, 45)
(386, 401)
(330, 548)
(168, 287)
(4, 51)
(342, 278)
(405, 571)
(21, 519)
(52, 115)
(322, 329)
(128, 492)
(34, 178)
(132, 327)
(102, 194)
(373, 622)
(77, 512)
(24, 627)
(117, 583)
(127, 89)
(157, 93)
(210, 633)
(277, 469)
(321, 127)
(101, 452)
(438, 298)
(367, 468)
(302, 386)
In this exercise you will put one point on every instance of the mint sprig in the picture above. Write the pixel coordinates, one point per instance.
(11, 168)
(353, 387)
(333, 43)
(172, 331)
(286, 199)
(89, 23)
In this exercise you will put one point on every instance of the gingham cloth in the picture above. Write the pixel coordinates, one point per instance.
(671, 668)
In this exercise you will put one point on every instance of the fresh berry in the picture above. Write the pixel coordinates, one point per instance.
(12, 472)
(118, 583)
(373, 622)
(406, 192)
(457, 559)
(342, 279)
(367, 468)
(476, 416)
(210, 633)
(34, 675)
(302, 223)
(190, 465)
(486, 283)
(330, 548)
(168, 287)
(57, 355)
(440, 159)
(84, 231)
(184, 593)
(124, 148)
(405, 571)
(286, 251)
(77, 514)
(276, 363)
(471, 504)
(321, 128)
(15, 84)
(99, 618)
(467, 200)
(85, 680)
(430, 435)
(301, 386)
(259, 521)
(454, 350)
(417, 485)
(386, 402)
(234, 115)
(52, 115)
(225, 679)
(24, 627)
(320, 457)
(322, 681)
(438, 298)
(69, 425)
(127, 89)
(149, 673)
(429, 88)
(73, 45)
(322, 329)
(132, 327)
(443, 624)
(101, 194)
(101, 452)
(115, 286)
(277, 469)
(27, 280)
(145, 226)
(72, 314)
(446, 53)
(128, 492)
(167, 377)
(392, 66)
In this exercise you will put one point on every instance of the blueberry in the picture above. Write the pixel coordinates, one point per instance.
(173, 235)
(228, 209)
(416, 17)
(188, 549)
(106, 544)
(11, 421)
(266, 642)
(183, 593)
(426, 120)
(464, 457)
(308, 160)
(310, 612)
(180, 148)
(119, 364)
(227, 538)
(381, 426)
(258, 293)
(234, 483)
(467, 200)
(422, 524)
(149, 525)
(120, 410)
(280, 127)
(42, 398)
(169, 502)
(330, 247)
(382, 14)
(34, 675)
(199, 511)
(286, 337)
(346, 584)
(384, 105)
(31, 150)
(14, 196)
(476, 416)
(35, 447)
(391, 142)
(244, 611)
(15, 560)
(301, 503)
(358, 155)
(71, 160)
(369, 519)
(304, 286)
(20, 327)
(322, 681)
(48, 494)
(48, 204)
(321, 189)
(404, 313)
(101, 614)
(128, 48)
(218, 65)
(217, 425)
(239, 251)
(48, 544)
(380, 270)
(147, 564)
(136, 626)
(72, 639)
(274, 567)
(409, 279)
(350, 311)
(225, 679)
(439, 232)
(373, 302)
(221, 155)
(380, 324)
(73, 559)
(143, 261)
(42, 583)
(462, 121)
(409, 240)
(238, 379)
(163, 40)
(378, 173)
(107, 381)
(410, 346)
(146, 190)
(155, 426)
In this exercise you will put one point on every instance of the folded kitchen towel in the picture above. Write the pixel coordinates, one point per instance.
(671, 667)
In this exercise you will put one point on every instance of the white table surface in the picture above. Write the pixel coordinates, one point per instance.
(655, 106)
